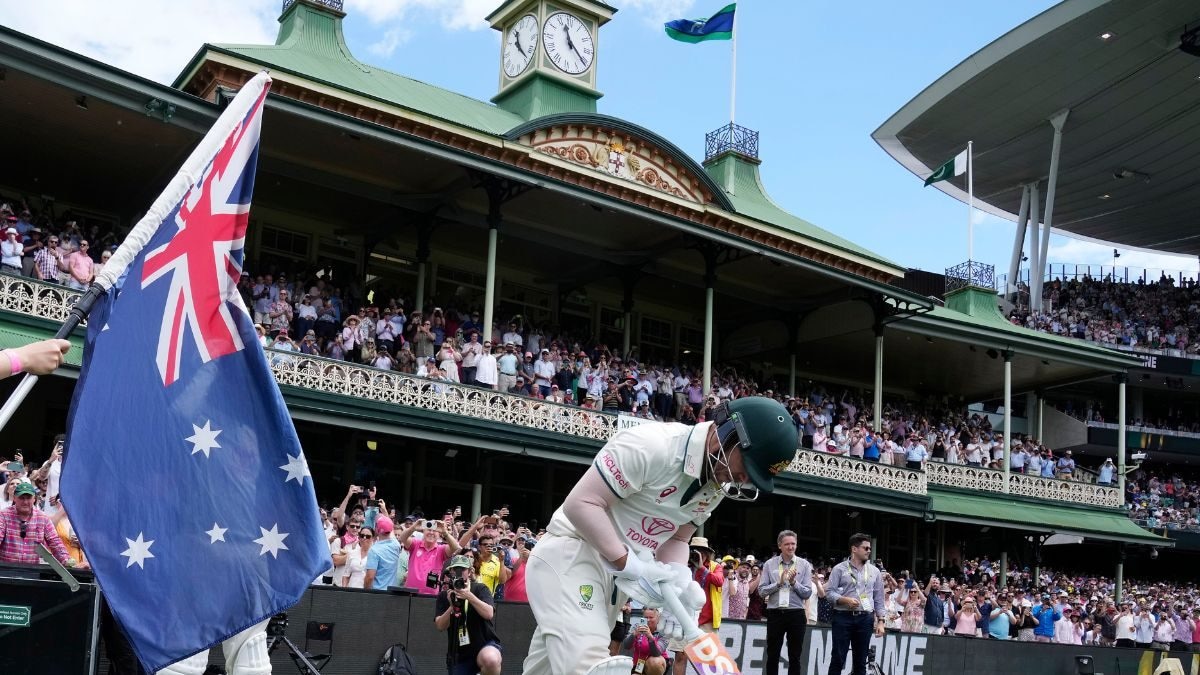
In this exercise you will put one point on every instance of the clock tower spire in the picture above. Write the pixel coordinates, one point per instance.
(548, 55)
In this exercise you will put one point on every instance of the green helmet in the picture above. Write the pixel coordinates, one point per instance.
(765, 433)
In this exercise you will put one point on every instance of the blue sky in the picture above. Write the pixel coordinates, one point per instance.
(814, 78)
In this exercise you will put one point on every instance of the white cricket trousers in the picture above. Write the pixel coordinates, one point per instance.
(571, 595)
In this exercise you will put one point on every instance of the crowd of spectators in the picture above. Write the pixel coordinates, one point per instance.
(1164, 500)
(64, 249)
(1161, 315)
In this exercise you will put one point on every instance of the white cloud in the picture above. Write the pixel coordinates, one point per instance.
(1078, 252)
(151, 38)
(391, 39)
(661, 11)
(451, 14)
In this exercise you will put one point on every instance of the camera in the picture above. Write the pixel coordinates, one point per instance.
(278, 624)
(429, 524)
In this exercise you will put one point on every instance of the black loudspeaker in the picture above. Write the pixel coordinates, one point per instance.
(45, 625)
(1085, 665)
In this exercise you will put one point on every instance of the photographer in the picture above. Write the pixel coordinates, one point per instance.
(465, 612)
(646, 646)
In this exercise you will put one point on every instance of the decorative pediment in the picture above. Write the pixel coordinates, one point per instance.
(621, 150)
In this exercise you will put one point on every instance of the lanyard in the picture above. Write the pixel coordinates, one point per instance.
(858, 585)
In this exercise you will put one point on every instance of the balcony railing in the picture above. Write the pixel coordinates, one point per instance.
(53, 302)
(992, 480)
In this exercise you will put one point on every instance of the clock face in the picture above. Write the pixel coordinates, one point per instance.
(568, 43)
(520, 44)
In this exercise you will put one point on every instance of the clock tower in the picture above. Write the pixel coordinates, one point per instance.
(548, 52)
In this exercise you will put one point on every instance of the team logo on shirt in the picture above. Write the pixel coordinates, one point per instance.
(666, 493)
(585, 595)
(656, 526)
(779, 466)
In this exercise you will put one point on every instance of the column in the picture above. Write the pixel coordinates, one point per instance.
(1057, 121)
(548, 500)
(914, 539)
(1121, 378)
(628, 282)
(1003, 569)
(792, 372)
(710, 282)
(1040, 409)
(424, 235)
(877, 401)
(476, 502)
(489, 289)
(1036, 264)
(1119, 587)
(1014, 264)
(406, 500)
(1007, 416)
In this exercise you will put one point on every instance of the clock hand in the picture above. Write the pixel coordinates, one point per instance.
(571, 45)
(521, 49)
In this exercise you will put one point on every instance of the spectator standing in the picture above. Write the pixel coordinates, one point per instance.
(49, 262)
(544, 371)
(472, 351)
(1002, 619)
(935, 607)
(967, 618)
(912, 619)
(740, 586)
(507, 364)
(490, 570)
(352, 342)
(281, 313)
(449, 358)
(262, 294)
(22, 528)
(1164, 632)
(12, 249)
(356, 559)
(786, 584)
(486, 371)
(80, 267)
(1068, 630)
(1143, 627)
(383, 560)
(1046, 615)
(305, 316)
(1107, 470)
(514, 588)
(428, 553)
(855, 590)
(1126, 628)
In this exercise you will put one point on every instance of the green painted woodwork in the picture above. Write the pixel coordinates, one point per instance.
(539, 95)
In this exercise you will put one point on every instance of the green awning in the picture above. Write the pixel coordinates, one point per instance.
(1039, 516)
(15, 335)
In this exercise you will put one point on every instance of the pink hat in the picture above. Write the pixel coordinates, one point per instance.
(384, 525)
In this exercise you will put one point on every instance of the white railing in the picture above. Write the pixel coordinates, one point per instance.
(317, 373)
(992, 480)
(1145, 430)
(36, 298)
(53, 302)
(850, 470)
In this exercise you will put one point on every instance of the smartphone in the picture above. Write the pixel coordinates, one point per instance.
(15, 466)
(910, 583)
(491, 520)
(522, 526)
(639, 621)
(372, 503)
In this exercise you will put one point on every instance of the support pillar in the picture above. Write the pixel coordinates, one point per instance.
(1014, 264)
(877, 401)
(792, 373)
(629, 282)
(710, 282)
(499, 192)
(424, 235)
(1036, 264)
(1122, 379)
(1057, 121)
(408, 486)
(1003, 569)
(1119, 587)
(476, 502)
(548, 500)
(1007, 417)
(793, 337)
(1041, 417)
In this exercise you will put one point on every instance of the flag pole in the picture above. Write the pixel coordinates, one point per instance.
(970, 200)
(145, 228)
(733, 71)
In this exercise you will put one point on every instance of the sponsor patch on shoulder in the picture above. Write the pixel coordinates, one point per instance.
(779, 466)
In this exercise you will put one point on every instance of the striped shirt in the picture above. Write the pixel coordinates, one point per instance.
(799, 589)
(38, 530)
(865, 584)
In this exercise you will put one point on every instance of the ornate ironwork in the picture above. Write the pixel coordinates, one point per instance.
(317, 373)
(992, 480)
(36, 298)
(731, 137)
(860, 472)
(971, 273)
(331, 4)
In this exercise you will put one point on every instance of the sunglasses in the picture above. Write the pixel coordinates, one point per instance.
(24, 532)
(365, 536)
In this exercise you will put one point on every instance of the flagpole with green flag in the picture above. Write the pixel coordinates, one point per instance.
(961, 163)
(733, 70)
(719, 26)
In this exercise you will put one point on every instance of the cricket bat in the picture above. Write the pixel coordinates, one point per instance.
(704, 651)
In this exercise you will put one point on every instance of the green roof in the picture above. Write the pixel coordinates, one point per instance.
(1034, 516)
(311, 44)
(739, 176)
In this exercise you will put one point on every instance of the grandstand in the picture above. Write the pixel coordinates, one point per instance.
(386, 192)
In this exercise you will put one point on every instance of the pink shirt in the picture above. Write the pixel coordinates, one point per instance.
(81, 266)
(514, 588)
(965, 625)
(422, 561)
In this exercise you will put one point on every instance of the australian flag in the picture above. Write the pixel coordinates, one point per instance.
(183, 474)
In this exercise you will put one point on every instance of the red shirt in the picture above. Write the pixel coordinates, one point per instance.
(514, 588)
(38, 530)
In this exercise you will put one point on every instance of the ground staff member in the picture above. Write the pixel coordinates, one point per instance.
(786, 585)
(631, 516)
(855, 589)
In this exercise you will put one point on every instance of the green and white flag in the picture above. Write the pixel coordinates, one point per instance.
(955, 167)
